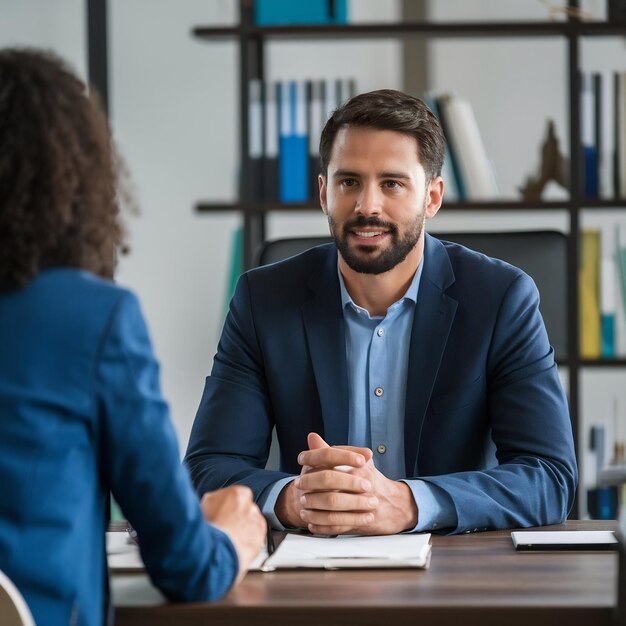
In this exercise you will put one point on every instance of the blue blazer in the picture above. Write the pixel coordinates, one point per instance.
(81, 413)
(486, 418)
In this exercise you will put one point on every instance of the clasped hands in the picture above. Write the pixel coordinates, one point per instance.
(340, 491)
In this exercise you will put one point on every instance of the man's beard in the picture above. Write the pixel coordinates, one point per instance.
(368, 259)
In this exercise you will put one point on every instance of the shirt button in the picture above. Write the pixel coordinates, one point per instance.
(381, 448)
(380, 332)
(379, 391)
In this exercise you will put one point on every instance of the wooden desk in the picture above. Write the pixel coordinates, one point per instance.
(474, 579)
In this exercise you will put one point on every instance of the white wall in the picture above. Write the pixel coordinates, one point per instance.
(58, 26)
(173, 106)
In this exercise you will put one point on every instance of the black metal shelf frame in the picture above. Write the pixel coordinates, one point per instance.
(490, 205)
(409, 29)
(252, 39)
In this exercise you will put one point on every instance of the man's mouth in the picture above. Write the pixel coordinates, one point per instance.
(369, 236)
(368, 233)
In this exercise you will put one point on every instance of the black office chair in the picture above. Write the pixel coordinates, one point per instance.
(541, 254)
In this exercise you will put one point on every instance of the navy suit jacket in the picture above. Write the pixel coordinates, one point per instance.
(81, 413)
(486, 419)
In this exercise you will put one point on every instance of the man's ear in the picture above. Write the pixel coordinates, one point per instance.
(321, 180)
(434, 197)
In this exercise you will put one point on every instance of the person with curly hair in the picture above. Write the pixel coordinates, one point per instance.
(81, 412)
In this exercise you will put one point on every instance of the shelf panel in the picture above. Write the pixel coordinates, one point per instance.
(252, 207)
(407, 29)
(266, 207)
(618, 362)
(596, 29)
(506, 205)
(492, 205)
(601, 204)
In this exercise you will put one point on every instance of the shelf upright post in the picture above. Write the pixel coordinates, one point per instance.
(573, 251)
(97, 49)
(251, 65)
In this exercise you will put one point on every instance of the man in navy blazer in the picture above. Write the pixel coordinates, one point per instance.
(410, 381)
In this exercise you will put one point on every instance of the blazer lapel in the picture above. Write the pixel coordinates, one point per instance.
(324, 327)
(434, 314)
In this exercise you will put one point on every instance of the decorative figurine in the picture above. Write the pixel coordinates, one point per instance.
(554, 166)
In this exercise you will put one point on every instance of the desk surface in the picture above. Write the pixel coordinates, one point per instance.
(473, 579)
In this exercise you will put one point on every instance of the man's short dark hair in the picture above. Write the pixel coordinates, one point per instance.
(388, 109)
(58, 172)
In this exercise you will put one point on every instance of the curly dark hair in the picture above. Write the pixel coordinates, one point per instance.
(388, 109)
(59, 203)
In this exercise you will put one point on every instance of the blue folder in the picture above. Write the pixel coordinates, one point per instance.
(277, 12)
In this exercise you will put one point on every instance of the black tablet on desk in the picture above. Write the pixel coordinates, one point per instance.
(564, 540)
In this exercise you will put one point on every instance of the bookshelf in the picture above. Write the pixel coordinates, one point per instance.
(252, 40)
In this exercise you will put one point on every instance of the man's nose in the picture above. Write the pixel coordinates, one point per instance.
(369, 201)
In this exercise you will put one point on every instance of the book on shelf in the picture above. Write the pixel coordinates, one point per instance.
(293, 144)
(270, 142)
(608, 295)
(620, 135)
(346, 89)
(589, 113)
(324, 96)
(255, 143)
(470, 160)
(605, 134)
(589, 290)
(602, 287)
(454, 169)
(285, 120)
(285, 12)
(620, 307)
(330, 95)
(449, 172)
(316, 119)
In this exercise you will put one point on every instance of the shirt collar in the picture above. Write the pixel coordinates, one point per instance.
(411, 292)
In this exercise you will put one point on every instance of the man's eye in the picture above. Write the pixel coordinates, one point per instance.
(348, 182)
(392, 184)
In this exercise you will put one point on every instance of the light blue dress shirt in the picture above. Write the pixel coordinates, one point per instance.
(377, 357)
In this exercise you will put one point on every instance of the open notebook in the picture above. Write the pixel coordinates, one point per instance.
(304, 551)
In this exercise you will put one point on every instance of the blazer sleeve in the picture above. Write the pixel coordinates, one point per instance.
(535, 480)
(187, 558)
(232, 431)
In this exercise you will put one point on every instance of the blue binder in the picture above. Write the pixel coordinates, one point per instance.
(277, 12)
(294, 152)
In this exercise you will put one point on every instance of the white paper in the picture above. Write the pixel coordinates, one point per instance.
(258, 561)
(295, 551)
(123, 553)
(390, 551)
